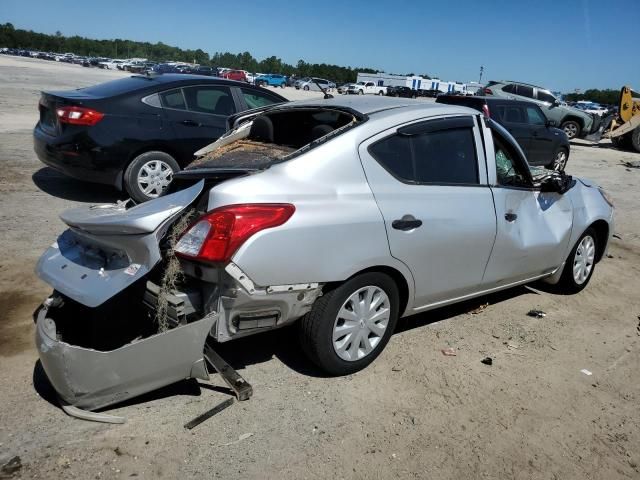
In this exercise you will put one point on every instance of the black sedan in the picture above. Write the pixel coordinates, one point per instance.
(542, 143)
(135, 132)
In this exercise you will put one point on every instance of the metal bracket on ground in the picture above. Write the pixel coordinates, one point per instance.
(239, 385)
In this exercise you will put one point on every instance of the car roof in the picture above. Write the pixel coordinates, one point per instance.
(374, 104)
(521, 83)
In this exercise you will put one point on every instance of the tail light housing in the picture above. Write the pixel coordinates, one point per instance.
(78, 115)
(216, 236)
(485, 110)
(488, 91)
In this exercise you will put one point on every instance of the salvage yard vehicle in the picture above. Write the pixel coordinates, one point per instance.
(576, 123)
(136, 132)
(542, 143)
(314, 84)
(342, 215)
(364, 88)
(405, 92)
(271, 79)
(623, 127)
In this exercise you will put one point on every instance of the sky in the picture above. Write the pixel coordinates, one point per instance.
(563, 44)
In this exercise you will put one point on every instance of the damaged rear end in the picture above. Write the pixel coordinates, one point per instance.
(139, 290)
(116, 326)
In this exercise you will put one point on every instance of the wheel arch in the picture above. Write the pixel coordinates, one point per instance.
(405, 291)
(601, 228)
(573, 118)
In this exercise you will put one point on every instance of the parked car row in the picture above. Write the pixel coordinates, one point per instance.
(575, 122)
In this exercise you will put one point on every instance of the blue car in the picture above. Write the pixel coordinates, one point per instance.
(273, 79)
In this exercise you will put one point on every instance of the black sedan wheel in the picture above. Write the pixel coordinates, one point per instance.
(560, 158)
(149, 175)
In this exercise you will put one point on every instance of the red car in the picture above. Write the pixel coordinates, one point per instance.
(235, 75)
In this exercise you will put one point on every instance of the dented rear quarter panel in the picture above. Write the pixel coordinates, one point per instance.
(336, 231)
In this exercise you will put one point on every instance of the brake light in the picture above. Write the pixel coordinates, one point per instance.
(78, 116)
(216, 236)
(485, 110)
(488, 91)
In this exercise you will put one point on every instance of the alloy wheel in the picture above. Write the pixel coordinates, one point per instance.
(583, 259)
(361, 323)
(571, 130)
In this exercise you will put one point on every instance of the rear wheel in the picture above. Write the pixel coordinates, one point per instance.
(149, 175)
(348, 327)
(580, 264)
(571, 129)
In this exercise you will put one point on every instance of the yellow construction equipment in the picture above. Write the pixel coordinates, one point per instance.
(624, 130)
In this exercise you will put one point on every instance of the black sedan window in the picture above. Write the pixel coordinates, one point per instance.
(173, 99)
(210, 99)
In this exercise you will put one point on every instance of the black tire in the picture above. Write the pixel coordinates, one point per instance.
(571, 128)
(360, 92)
(306, 87)
(635, 139)
(560, 159)
(316, 327)
(567, 283)
(282, 85)
(133, 170)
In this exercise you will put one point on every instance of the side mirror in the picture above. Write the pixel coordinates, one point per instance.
(556, 103)
(551, 123)
(558, 183)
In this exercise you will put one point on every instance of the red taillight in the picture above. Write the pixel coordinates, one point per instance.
(216, 236)
(78, 115)
(485, 110)
(488, 91)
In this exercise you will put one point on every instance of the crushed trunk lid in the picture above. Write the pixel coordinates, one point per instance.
(108, 249)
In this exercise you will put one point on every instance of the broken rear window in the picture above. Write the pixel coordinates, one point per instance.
(272, 137)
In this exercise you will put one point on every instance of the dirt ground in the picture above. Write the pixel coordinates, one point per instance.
(414, 413)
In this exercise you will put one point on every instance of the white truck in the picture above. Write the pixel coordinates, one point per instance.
(363, 88)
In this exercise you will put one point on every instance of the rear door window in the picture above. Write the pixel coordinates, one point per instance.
(513, 114)
(446, 156)
(210, 99)
(173, 99)
(511, 88)
(438, 157)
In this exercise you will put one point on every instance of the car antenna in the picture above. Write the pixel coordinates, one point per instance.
(327, 96)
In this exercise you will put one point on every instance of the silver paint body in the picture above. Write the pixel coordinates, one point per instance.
(345, 203)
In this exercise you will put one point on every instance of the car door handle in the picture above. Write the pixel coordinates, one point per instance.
(407, 222)
(510, 217)
(190, 123)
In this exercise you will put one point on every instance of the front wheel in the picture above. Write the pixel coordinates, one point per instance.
(560, 158)
(571, 129)
(360, 92)
(580, 264)
(149, 175)
(348, 327)
(306, 88)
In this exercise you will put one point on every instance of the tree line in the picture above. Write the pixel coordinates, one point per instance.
(11, 37)
(604, 97)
